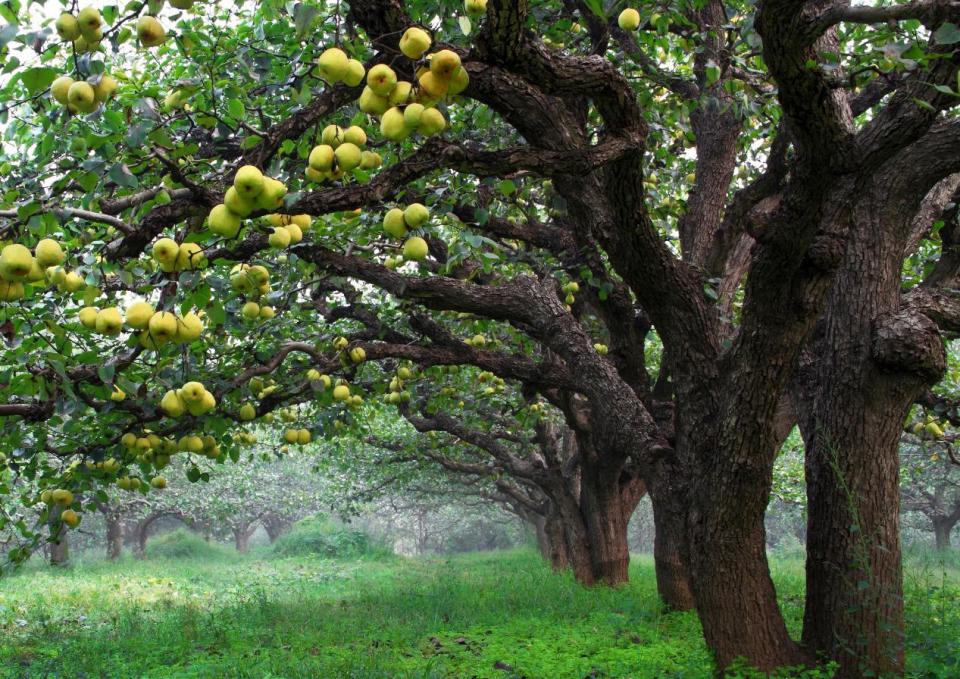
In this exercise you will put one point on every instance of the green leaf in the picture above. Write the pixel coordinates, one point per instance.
(465, 25)
(596, 6)
(303, 16)
(236, 108)
(507, 187)
(38, 79)
(947, 34)
(105, 372)
(713, 72)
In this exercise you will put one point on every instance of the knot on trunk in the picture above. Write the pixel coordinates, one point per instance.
(909, 342)
(826, 251)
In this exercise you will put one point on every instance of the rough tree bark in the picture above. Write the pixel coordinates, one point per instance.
(874, 353)
(673, 583)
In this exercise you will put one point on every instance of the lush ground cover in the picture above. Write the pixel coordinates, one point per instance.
(500, 615)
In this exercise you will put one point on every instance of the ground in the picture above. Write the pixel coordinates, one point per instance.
(495, 614)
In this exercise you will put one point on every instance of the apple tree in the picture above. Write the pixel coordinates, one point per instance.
(682, 227)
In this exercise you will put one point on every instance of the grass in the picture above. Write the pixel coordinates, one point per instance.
(502, 615)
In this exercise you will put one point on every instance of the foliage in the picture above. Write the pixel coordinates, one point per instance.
(319, 536)
(182, 544)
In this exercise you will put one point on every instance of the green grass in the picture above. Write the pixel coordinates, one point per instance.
(501, 615)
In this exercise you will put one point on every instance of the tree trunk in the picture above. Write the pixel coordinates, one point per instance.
(941, 532)
(673, 585)
(275, 527)
(575, 543)
(241, 537)
(555, 542)
(114, 536)
(606, 521)
(732, 454)
(60, 541)
(870, 357)
(733, 592)
(140, 546)
(854, 600)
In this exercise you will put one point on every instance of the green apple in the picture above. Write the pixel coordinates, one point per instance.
(105, 87)
(162, 326)
(68, 28)
(279, 239)
(444, 64)
(109, 321)
(355, 73)
(415, 215)
(381, 79)
(415, 249)
(459, 81)
(223, 222)
(139, 314)
(475, 8)
(271, 197)
(251, 310)
(60, 87)
(372, 103)
(394, 224)
(393, 125)
(49, 253)
(333, 65)
(348, 156)
(370, 160)
(321, 157)
(248, 181)
(414, 42)
(166, 250)
(401, 94)
(431, 122)
(411, 115)
(237, 204)
(355, 135)
(629, 19)
(150, 31)
(16, 262)
(82, 96)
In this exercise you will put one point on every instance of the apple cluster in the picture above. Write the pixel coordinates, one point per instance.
(192, 397)
(157, 327)
(254, 281)
(251, 191)
(397, 222)
(18, 266)
(340, 151)
(174, 257)
(297, 436)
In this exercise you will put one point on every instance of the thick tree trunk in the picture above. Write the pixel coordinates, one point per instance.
(733, 592)
(870, 358)
(114, 536)
(605, 517)
(673, 585)
(941, 532)
(140, 545)
(551, 541)
(275, 527)
(725, 546)
(60, 543)
(241, 538)
(576, 544)
(854, 601)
